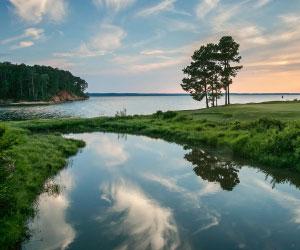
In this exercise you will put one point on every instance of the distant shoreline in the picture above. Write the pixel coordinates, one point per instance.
(61, 97)
(72, 99)
(176, 94)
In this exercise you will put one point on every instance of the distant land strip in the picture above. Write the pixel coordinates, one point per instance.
(178, 94)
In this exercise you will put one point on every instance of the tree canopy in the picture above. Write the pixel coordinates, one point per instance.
(211, 71)
(37, 83)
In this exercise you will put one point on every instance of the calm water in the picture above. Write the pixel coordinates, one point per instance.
(132, 192)
(98, 106)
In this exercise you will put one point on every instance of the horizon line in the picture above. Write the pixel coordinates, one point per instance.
(166, 93)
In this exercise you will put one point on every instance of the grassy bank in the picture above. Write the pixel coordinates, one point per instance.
(26, 161)
(31, 151)
(266, 133)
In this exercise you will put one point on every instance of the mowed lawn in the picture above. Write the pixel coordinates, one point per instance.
(276, 110)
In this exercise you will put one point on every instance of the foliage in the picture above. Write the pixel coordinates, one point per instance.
(121, 113)
(36, 83)
(211, 71)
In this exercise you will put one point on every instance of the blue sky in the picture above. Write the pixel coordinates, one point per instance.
(141, 46)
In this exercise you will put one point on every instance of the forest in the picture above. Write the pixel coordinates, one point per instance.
(20, 82)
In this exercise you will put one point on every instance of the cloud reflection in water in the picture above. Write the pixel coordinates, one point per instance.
(51, 231)
(111, 151)
(148, 225)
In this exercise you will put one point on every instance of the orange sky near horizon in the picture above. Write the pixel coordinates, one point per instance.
(271, 82)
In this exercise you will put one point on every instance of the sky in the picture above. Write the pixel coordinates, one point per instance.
(143, 45)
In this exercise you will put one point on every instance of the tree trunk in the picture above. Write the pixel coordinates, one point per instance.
(228, 95)
(21, 89)
(206, 99)
(32, 86)
(225, 95)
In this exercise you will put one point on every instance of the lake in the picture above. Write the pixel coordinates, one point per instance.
(109, 105)
(133, 192)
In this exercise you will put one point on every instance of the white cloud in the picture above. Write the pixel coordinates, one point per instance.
(22, 44)
(180, 25)
(290, 19)
(144, 220)
(146, 61)
(165, 5)
(261, 3)
(30, 33)
(115, 5)
(284, 199)
(106, 41)
(110, 151)
(60, 63)
(50, 223)
(152, 52)
(36, 10)
(206, 6)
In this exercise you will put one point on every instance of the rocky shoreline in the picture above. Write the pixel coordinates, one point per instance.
(61, 97)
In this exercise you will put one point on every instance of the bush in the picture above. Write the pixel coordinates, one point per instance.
(158, 113)
(181, 118)
(2, 130)
(267, 123)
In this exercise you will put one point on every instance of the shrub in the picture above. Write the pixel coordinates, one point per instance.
(181, 118)
(169, 115)
(158, 113)
(267, 123)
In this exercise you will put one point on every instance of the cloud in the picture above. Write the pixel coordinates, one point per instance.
(290, 19)
(60, 63)
(147, 61)
(262, 3)
(22, 44)
(115, 5)
(30, 33)
(110, 151)
(192, 199)
(206, 6)
(180, 25)
(153, 59)
(106, 41)
(144, 220)
(50, 223)
(36, 10)
(165, 5)
(284, 199)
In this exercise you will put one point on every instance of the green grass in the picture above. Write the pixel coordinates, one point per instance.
(265, 133)
(26, 161)
(32, 151)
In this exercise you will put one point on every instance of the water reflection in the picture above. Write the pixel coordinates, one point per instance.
(284, 199)
(49, 229)
(213, 169)
(149, 198)
(143, 220)
(112, 152)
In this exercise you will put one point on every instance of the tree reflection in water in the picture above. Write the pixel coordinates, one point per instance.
(212, 169)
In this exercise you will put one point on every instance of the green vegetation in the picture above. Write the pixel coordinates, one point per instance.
(267, 133)
(26, 161)
(37, 83)
(32, 151)
(212, 68)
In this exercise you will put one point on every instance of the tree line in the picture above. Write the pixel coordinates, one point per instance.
(211, 71)
(37, 83)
